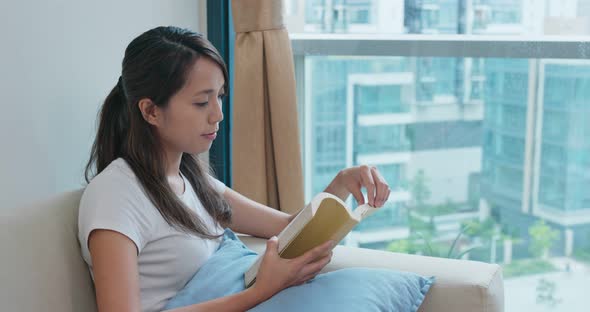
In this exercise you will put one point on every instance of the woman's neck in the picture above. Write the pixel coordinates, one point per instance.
(172, 164)
(175, 180)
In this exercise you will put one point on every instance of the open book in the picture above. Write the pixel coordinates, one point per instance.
(325, 218)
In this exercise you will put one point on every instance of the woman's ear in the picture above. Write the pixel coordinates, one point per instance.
(150, 111)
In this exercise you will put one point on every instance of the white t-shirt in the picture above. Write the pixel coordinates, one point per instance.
(167, 258)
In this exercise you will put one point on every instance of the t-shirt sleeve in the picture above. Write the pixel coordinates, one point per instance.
(113, 203)
(217, 185)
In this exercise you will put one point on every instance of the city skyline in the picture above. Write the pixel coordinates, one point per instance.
(485, 152)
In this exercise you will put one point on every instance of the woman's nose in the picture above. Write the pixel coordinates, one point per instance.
(217, 113)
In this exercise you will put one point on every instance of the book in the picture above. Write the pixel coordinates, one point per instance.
(325, 218)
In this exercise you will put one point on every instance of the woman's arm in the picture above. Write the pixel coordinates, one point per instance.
(114, 265)
(252, 218)
(116, 279)
(241, 301)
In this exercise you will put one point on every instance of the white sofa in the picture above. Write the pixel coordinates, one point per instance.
(42, 270)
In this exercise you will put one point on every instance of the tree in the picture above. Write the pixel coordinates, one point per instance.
(543, 237)
(424, 244)
(451, 253)
(420, 194)
(484, 230)
(401, 246)
(423, 232)
(419, 189)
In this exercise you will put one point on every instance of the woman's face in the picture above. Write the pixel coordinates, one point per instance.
(190, 121)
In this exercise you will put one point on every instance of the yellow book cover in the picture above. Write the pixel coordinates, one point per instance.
(325, 218)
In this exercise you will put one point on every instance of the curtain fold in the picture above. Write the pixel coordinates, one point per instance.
(266, 157)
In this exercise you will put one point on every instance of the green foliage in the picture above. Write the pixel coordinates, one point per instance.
(421, 232)
(401, 246)
(419, 242)
(527, 267)
(438, 210)
(419, 189)
(418, 225)
(439, 251)
(447, 208)
(485, 230)
(476, 228)
(582, 255)
(543, 237)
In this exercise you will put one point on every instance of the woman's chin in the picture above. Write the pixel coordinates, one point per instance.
(199, 149)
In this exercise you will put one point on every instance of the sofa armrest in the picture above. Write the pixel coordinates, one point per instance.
(460, 285)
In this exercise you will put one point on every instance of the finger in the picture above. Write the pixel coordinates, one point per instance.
(303, 280)
(387, 195)
(367, 181)
(317, 266)
(379, 189)
(315, 253)
(272, 246)
(358, 195)
(306, 279)
(381, 186)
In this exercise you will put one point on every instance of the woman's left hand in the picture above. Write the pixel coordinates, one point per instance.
(353, 179)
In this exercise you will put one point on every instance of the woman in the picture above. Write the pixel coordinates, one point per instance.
(152, 215)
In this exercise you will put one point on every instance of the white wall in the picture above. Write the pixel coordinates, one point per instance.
(58, 61)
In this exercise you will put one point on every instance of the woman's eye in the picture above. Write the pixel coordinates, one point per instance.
(202, 104)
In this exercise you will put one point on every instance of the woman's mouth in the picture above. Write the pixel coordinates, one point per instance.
(210, 136)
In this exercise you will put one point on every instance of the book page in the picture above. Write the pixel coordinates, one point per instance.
(293, 228)
(325, 225)
(286, 236)
(325, 218)
(364, 211)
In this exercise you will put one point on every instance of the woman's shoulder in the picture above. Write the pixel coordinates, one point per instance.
(116, 180)
(114, 200)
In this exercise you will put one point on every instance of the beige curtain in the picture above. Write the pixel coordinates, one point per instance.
(266, 155)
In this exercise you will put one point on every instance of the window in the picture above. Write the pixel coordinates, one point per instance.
(462, 105)
(380, 99)
(381, 139)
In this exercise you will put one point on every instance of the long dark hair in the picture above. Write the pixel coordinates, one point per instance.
(155, 66)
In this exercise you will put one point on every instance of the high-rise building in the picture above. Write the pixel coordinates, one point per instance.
(402, 115)
(531, 165)
(432, 16)
(511, 152)
(348, 16)
(549, 125)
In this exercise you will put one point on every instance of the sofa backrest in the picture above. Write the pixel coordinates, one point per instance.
(41, 267)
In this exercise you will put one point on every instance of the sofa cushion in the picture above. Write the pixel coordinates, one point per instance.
(42, 269)
(350, 289)
(461, 286)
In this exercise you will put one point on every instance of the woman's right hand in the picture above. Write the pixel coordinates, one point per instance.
(276, 273)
